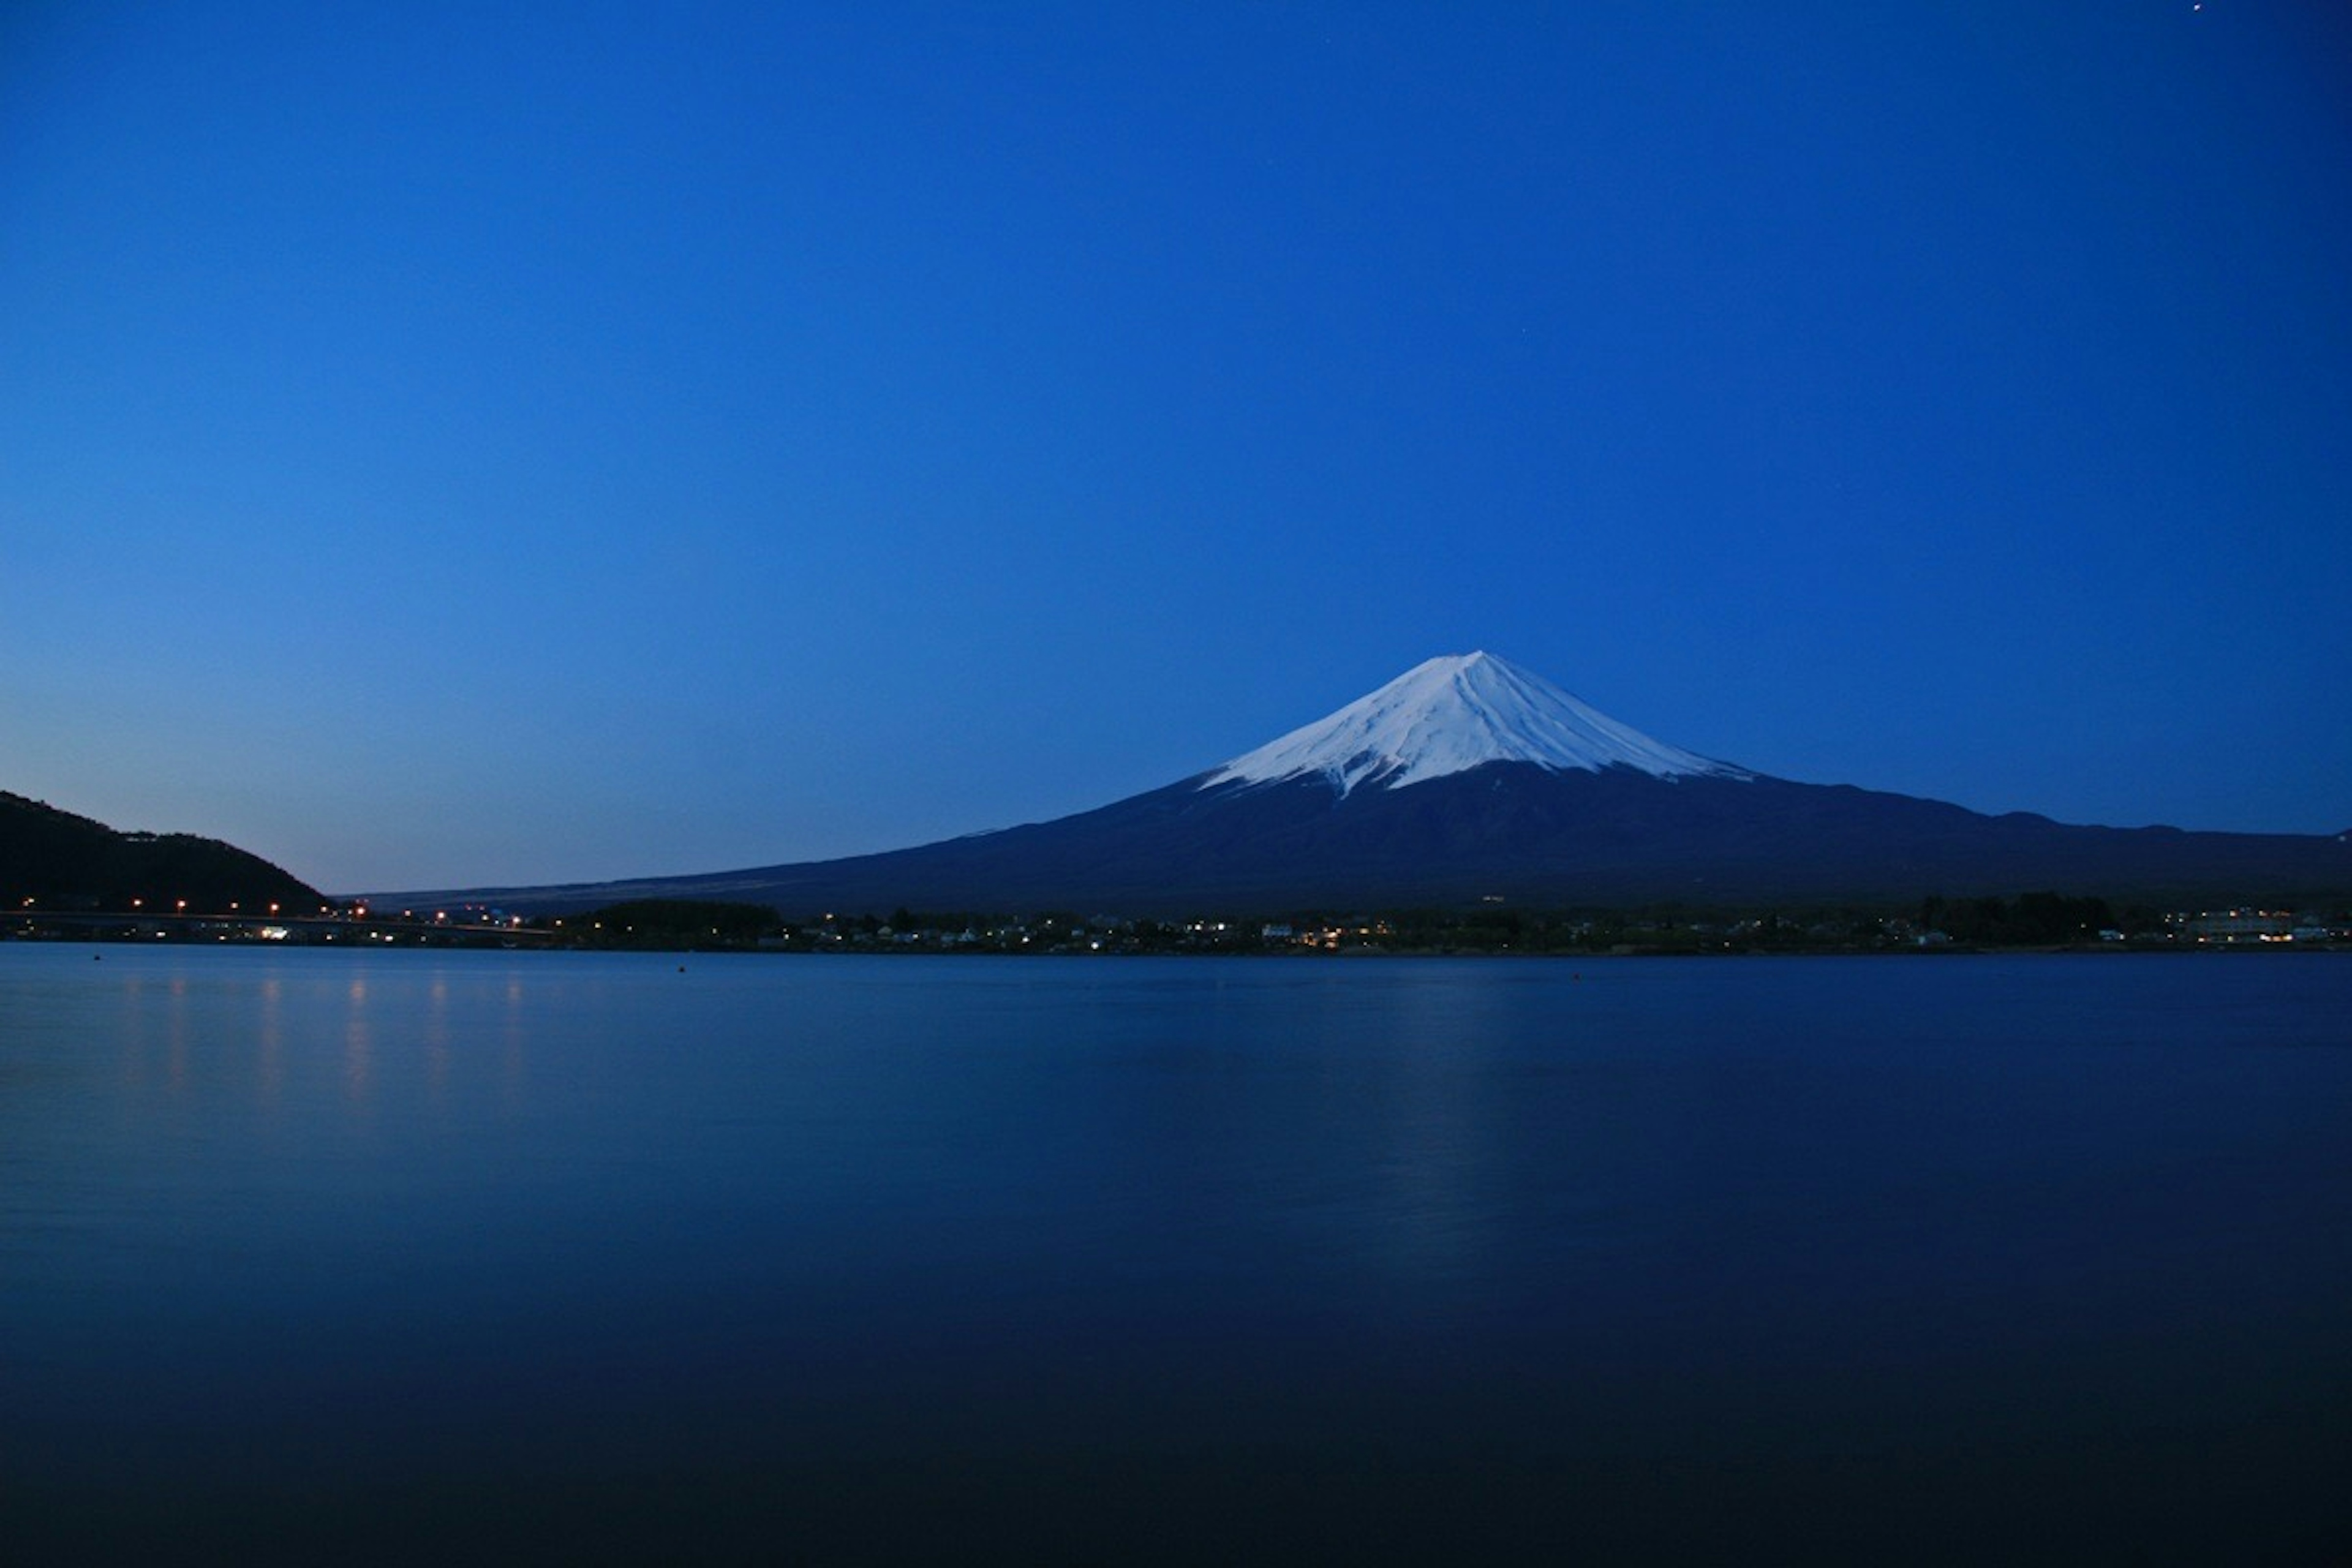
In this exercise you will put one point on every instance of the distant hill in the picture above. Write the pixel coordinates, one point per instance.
(1469, 779)
(62, 861)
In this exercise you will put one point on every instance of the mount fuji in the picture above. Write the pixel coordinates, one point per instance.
(1469, 778)
(1454, 714)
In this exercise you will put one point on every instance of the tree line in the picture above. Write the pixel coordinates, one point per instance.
(2034, 919)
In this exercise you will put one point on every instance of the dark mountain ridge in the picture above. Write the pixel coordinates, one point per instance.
(59, 861)
(1513, 831)
(1470, 779)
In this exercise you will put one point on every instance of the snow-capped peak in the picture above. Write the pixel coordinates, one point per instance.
(1455, 713)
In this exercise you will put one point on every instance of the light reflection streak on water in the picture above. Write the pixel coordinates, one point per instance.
(176, 1048)
(144, 1015)
(1441, 1210)
(511, 1038)
(359, 1063)
(436, 1039)
(132, 1030)
(297, 1031)
(270, 1055)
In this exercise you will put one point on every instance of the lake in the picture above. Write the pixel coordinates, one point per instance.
(319, 1256)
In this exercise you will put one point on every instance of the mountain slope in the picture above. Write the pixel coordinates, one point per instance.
(1516, 832)
(58, 859)
(1468, 778)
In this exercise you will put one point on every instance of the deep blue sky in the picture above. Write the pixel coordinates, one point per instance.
(517, 442)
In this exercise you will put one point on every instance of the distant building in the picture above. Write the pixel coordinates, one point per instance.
(2235, 926)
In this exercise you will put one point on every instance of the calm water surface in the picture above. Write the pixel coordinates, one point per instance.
(317, 1256)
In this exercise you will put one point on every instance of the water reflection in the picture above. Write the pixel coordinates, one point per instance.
(511, 1037)
(272, 1029)
(270, 1041)
(1288, 1245)
(436, 1039)
(1447, 1139)
(359, 1046)
(366, 1033)
(176, 1034)
(130, 1026)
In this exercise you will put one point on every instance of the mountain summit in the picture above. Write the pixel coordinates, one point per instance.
(1469, 779)
(1455, 713)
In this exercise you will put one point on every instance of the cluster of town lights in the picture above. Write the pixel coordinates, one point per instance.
(483, 919)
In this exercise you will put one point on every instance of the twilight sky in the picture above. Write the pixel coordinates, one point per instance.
(514, 443)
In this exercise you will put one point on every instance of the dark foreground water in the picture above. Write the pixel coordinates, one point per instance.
(319, 1256)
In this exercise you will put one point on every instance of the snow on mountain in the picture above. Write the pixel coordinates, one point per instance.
(1455, 713)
